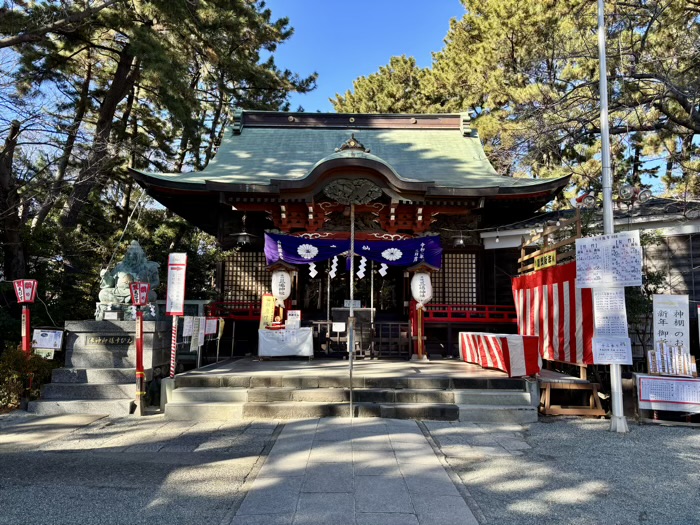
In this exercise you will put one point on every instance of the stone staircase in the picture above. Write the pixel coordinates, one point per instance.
(99, 377)
(106, 391)
(224, 397)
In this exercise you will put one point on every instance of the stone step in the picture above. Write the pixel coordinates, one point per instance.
(297, 381)
(492, 397)
(205, 395)
(339, 395)
(203, 411)
(319, 395)
(198, 411)
(86, 391)
(101, 359)
(497, 414)
(93, 375)
(112, 408)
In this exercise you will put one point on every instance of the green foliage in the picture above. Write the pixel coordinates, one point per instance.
(395, 88)
(148, 85)
(17, 372)
(527, 70)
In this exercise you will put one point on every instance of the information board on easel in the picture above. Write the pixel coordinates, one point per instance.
(675, 394)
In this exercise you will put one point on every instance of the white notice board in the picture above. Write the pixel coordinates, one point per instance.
(175, 295)
(609, 260)
(47, 339)
(671, 321)
(194, 342)
(293, 319)
(668, 393)
(187, 326)
(612, 351)
(610, 314)
(202, 329)
(211, 326)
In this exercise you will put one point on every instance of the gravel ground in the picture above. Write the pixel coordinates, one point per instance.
(577, 472)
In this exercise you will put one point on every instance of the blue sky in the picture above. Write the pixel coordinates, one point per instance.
(342, 41)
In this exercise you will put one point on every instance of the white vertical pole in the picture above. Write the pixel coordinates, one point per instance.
(328, 311)
(371, 305)
(328, 299)
(371, 291)
(351, 317)
(618, 423)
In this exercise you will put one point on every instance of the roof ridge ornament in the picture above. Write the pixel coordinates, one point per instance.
(352, 143)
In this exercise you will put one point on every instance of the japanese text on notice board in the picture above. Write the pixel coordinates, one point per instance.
(609, 260)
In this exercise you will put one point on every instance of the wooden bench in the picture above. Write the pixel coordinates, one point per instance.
(550, 380)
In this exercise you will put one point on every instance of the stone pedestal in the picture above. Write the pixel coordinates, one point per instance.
(99, 376)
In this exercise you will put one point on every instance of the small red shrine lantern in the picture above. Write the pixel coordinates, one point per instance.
(25, 290)
(139, 293)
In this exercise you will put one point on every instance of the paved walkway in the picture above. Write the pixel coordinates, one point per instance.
(77, 469)
(372, 471)
(353, 472)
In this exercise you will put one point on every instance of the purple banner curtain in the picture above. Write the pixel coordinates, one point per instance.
(296, 250)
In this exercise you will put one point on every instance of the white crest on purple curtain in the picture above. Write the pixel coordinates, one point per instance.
(307, 251)
(392, 254)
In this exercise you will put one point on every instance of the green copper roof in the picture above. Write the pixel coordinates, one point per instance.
(446, 156)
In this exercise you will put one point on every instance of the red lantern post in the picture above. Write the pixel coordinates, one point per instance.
(25, 290)
(139, 297)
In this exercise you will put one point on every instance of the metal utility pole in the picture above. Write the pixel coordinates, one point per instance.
(351, 317)
(618, 423)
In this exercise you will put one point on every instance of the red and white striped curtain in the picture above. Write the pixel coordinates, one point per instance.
(550, 306)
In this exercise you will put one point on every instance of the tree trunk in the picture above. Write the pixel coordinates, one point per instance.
(185, 140)
(55, 192)
(196, 142)
(688, 174)
(636, 163)
(14, 260)
(209, 152)
(89, 177)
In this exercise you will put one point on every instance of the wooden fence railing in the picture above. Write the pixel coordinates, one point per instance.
(434, 313)
(468, 313)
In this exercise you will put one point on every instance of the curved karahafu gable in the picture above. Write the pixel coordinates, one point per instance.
(275, 157)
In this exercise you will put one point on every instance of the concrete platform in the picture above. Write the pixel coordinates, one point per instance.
(253, 366)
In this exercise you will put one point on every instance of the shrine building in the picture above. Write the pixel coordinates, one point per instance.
(287, 183)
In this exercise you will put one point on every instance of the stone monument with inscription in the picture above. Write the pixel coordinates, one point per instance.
(100, 367)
